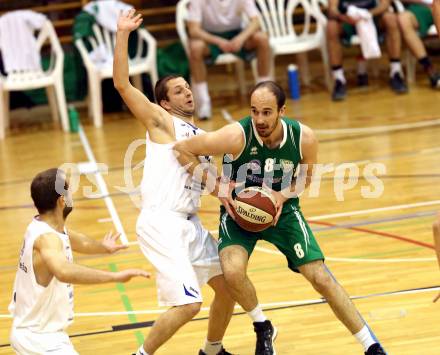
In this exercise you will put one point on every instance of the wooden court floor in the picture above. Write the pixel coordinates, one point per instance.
(379, 248)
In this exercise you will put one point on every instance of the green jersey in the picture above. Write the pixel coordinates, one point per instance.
(257, 163)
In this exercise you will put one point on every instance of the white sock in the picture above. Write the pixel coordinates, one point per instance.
(141, 351)
(263, 78)
(201, 91)
(212, 347)
(338, 74)
(257, 314)
(395, 67)
(365, 337)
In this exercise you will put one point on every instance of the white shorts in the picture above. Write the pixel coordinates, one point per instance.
(26, 342)
(183, 253)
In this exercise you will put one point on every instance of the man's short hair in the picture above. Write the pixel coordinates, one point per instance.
(161, 88)
(44, 189)
(275, 89)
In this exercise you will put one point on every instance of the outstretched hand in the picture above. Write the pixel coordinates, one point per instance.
(128, 21)
(127, 275)
(110, 242)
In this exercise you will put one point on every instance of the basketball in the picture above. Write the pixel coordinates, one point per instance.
(254, 209)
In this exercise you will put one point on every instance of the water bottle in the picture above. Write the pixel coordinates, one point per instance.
(73, 119)
(292, 71)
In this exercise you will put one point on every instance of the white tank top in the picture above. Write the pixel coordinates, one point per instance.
(37, 308)
(166, 185)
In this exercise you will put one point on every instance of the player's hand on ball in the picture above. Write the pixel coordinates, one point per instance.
(127, 275)
(279, 202)
(128, 21)
(110, 242)
(225, 196)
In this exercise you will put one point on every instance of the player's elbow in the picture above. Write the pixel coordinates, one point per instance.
(120, 86)
(62, 275)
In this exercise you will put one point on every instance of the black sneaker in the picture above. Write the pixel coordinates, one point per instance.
(266, 334)
(375, 349)
(398, 84)
(362, 79)
(435, 81)
(221, 352)
(339, 91)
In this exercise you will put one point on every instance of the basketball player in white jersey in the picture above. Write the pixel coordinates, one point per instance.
(170, 235)
(42, 302)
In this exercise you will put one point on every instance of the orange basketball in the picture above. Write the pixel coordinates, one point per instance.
(254, 209)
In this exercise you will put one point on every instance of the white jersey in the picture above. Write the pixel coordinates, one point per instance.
(166, 185)
(34, 307)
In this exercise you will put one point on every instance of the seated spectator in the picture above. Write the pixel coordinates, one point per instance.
(341, 25)
(215, 27)
(414, 24)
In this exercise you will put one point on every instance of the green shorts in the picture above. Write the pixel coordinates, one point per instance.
(424, 18)
(215, 51)
(292, 236)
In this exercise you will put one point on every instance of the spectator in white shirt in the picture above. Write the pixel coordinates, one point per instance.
(215, 27)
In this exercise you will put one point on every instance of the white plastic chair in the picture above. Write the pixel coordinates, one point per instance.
(51, 79)
(222, 59)
(277, 20)
(102, 45)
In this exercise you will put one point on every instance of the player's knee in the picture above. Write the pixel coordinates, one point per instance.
(196, 48)
(391, 22)
(234, 277)
(192, 309)
(404, 21)
(261, 39)
(321, 281)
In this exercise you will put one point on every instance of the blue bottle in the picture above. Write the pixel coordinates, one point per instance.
(292, 71)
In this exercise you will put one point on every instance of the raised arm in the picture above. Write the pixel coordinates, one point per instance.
(86, 245)
(150, 114)
(50, 248)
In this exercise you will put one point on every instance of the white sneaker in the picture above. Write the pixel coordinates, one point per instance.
(204, 111)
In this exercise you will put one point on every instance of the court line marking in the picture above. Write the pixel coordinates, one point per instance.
(374, 210)
(227, 116)
(356, 260)
(380, 233)
(374, 129)
(263, 305)
(103, 186)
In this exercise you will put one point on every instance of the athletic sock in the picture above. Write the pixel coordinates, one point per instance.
(212, 347)
(365, 337)
(338, 74)
(257, 314)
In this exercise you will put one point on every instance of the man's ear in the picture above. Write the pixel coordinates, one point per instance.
(165, 104)
(282, 110)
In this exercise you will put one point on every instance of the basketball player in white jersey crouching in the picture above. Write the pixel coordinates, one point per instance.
(42, 301)
(170, 235)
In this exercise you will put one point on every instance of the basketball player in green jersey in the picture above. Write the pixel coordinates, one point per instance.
(267, 149)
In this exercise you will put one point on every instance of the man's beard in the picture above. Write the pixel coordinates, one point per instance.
(66, 211)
